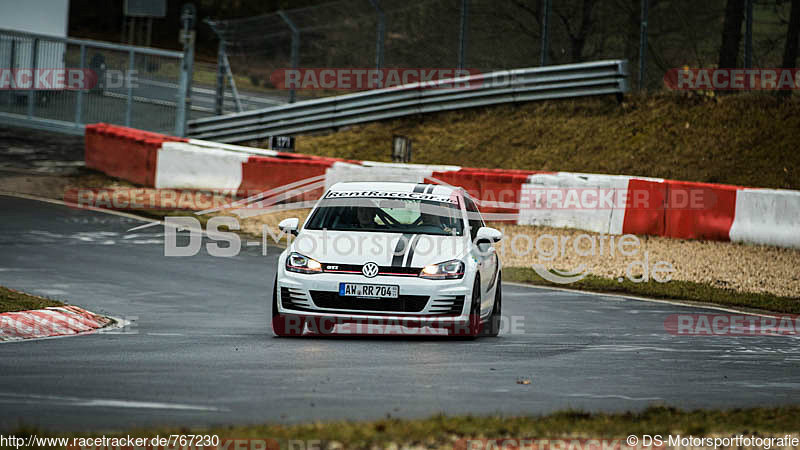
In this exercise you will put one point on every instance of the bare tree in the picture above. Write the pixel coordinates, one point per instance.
(731, 33)
(577, 33)
(577, 18)
(792, 37)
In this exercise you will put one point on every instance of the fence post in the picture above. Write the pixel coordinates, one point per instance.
(748, 35)
(233, 84)
(643, 45)
(219, 97)
(184, 103)
(79, 102)
(295, 48)
(12, 56)
(381, 33)
(462, 36)
(127, 78)
(32, 91)
(545, 32)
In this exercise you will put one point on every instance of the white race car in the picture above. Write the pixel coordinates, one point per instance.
(409, 255)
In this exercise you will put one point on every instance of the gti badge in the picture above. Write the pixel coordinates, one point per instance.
(370, 269)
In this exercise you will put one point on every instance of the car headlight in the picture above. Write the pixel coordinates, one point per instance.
(302, 264)
(448, 270)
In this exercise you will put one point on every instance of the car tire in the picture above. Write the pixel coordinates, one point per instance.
(475, 325)
(284, 325)
(492, 326)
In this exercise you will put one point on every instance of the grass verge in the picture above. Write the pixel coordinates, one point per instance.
(444, 431)
(747, 140)
(11, 300)
(675, 290)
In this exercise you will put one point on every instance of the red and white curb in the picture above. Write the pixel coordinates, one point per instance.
(54, 321)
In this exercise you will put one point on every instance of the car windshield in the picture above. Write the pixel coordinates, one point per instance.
(388, 212)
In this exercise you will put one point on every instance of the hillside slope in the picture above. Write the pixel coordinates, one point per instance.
(747, 140)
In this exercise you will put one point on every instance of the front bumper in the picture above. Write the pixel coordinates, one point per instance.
(421, 302)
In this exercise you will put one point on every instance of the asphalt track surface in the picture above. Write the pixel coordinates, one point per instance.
(199, 350)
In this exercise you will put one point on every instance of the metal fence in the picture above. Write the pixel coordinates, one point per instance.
(134, 86)
(489, 35)
(563, 81)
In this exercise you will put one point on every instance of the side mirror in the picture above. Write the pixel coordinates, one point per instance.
(289, 225)
(488, 235)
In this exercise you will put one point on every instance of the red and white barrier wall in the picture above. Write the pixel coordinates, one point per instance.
(123, 152)
(612, 204)
(538, 207)
(767, 216)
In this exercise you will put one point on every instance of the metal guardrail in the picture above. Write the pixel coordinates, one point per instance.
(508, 86)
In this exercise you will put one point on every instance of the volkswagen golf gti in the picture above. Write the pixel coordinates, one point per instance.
(414, 256)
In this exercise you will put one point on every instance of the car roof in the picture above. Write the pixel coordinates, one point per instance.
(393, 186)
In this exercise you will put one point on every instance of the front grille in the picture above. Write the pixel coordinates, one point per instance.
(404, 303)
(355, 269)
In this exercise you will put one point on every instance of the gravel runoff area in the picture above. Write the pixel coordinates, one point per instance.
(742, 267)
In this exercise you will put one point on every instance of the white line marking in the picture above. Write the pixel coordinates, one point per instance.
(621, 397)
(141, 227)
(645, 299)
(100, 402)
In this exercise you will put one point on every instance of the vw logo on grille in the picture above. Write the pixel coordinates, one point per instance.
(370, 269)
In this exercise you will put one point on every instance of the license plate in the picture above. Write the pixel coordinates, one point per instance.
(368, 290)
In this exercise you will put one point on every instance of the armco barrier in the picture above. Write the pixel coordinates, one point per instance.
(512, 86)
(676, 209)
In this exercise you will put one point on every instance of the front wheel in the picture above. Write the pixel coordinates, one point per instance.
(473, 328)
(492, 326)
(284, 325)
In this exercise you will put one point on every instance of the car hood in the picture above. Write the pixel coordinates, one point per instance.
(384, 249)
